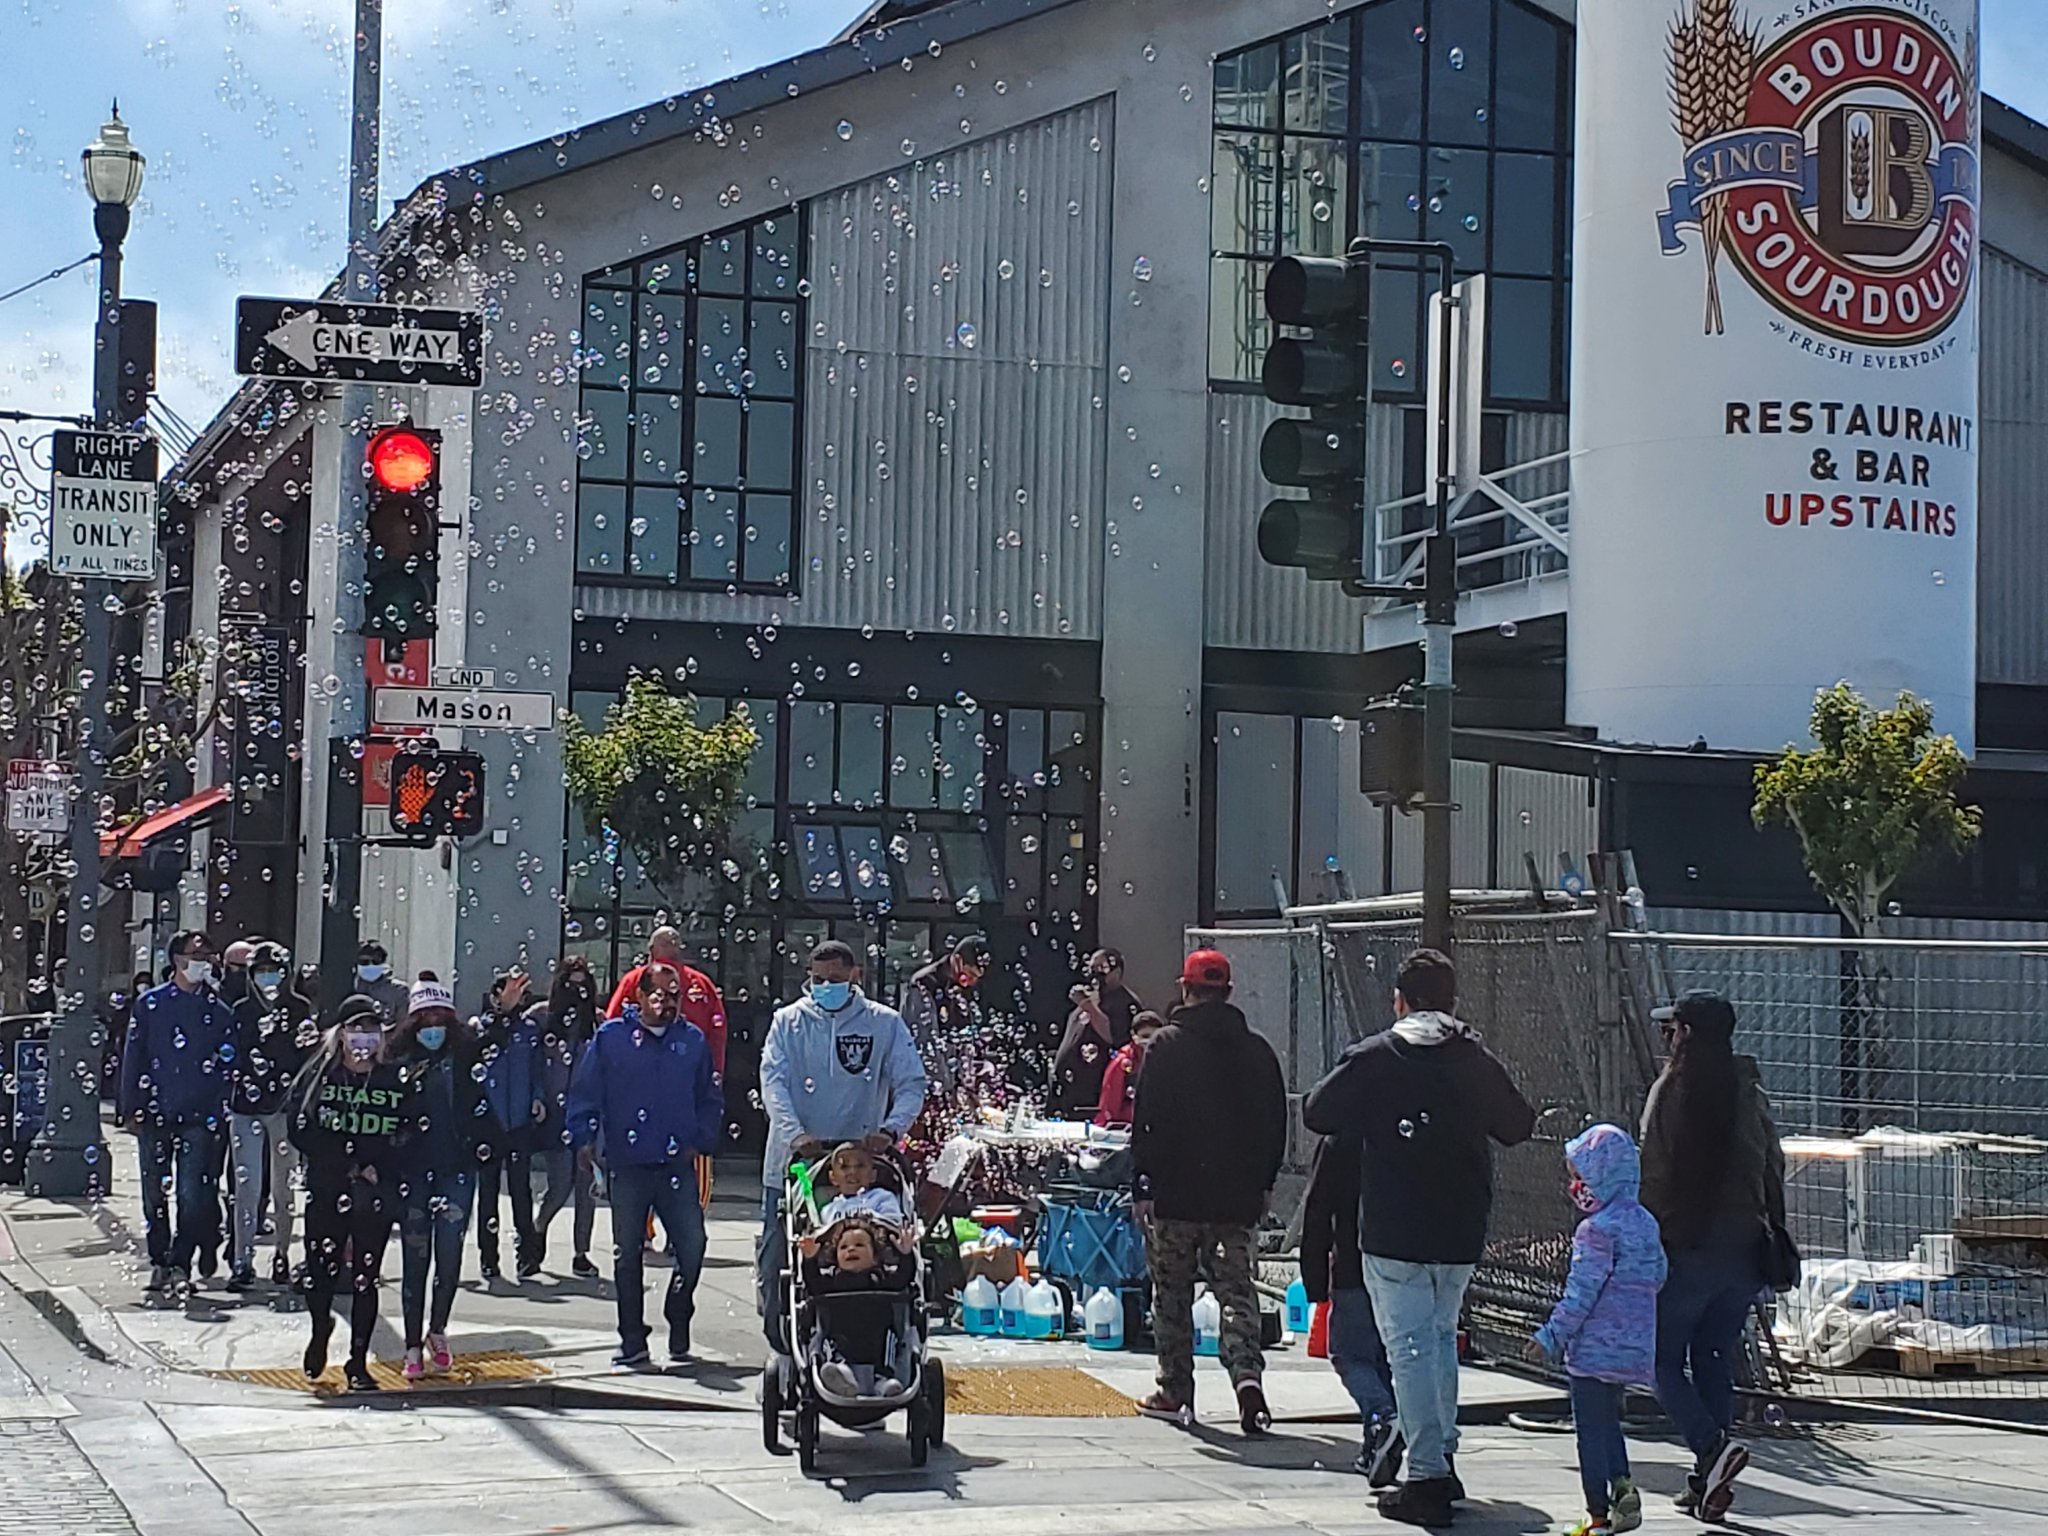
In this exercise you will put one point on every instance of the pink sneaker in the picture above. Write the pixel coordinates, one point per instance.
(414, 1368)
(437, 1347)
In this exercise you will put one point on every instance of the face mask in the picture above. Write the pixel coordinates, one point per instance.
(1100, 978)
(372, 972)
(433, 1036)
(361, 1047)
(831, 995)
(1583, 1197)
(198, 972)
(270, 981)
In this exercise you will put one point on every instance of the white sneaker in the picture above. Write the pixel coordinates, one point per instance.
(837, 1376)
(890, 1386)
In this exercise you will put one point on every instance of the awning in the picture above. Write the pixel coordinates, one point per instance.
(126, 842)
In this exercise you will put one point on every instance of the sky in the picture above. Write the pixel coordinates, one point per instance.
(242, 109)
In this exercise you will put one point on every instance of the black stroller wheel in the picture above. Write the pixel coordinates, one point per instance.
(935, 1400)
(920, 1433)
(807, 1438)
(771, 1408)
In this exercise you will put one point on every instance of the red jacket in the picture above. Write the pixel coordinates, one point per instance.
(1120, 1086)
(702, 1006)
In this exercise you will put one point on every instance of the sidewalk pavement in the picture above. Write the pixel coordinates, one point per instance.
(547, 1340)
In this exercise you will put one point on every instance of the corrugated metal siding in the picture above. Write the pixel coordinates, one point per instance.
(2012, 546)
(1253, 606)
(1471, 834)
(910, 504)
(1543, 815)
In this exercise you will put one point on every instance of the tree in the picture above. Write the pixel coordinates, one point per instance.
(1875, 797)
(667, 786)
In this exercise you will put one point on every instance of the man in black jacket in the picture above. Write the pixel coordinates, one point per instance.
(1208, 1136)
(1424, 1100)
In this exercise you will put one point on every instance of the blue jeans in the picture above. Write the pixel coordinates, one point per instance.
(1358, 1355)
(669, 1191)
(430, 1236)
(1603, 1449)
(1417, 1307)
(1700, 1316)
(181, 1164)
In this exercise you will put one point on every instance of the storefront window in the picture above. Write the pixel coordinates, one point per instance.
(1405, 119)
(686, 435)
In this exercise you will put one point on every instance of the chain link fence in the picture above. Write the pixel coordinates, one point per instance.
(1909, 1078)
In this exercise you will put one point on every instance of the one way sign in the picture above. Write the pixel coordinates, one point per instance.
(358, 343)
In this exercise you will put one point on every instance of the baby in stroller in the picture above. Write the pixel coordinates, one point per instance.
(859, 1264)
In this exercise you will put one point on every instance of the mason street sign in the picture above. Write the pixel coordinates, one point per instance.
(474, 709)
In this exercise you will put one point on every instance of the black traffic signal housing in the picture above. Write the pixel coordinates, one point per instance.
(1327, 370)
(135, 365)
(436, 794)
(1390, 751)
(402, 522)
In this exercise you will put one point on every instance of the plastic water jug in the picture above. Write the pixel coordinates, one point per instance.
(1044, 1311)
(1011, 1309)
(1298, 1309)
(1208, 1323)
(1104, 1316)
(1319, 1332)
(980, 1306)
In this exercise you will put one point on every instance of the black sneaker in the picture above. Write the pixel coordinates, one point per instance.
(209, 1263)
(315, 1362)
(1451, 1477)
(1427, 1503)
(582, 1268)
(1721, 1466)
(359, 1378)
(489, 1270)
(281, 1269)
(243, 1279)
(632, 1359)
(159, 1280)
(528, 1268)
(1386, 1447)
(1253, 1416)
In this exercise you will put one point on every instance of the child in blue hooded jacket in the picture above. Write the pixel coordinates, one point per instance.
(1605, 1328)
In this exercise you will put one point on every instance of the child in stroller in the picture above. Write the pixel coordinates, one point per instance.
(858, 1348)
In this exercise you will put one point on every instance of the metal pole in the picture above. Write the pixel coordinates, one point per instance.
(340, 924)
(1439, 619)
(72, 1160)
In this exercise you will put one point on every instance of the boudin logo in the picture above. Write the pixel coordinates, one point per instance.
(1835, 169)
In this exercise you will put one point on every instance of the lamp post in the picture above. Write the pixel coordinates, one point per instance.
(71, 1160)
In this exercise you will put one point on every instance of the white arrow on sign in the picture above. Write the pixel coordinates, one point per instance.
(307, 340)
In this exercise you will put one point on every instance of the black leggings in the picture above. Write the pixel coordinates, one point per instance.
(347, 1226)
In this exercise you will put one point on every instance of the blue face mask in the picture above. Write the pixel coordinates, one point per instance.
(371, 972)
(270, 981)
(831, 995)
(433, 1036)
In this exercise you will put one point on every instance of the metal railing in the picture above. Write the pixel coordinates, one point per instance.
(1520, 536)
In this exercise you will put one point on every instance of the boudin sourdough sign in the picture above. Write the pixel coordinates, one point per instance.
(1775, 382)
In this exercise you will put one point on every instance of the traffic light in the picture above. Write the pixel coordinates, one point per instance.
(437, 794)
(135, 365)
(1326, 370)
(401, 573)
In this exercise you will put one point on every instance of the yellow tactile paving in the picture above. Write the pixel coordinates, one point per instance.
(1033, 1392)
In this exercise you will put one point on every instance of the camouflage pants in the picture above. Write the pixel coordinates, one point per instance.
(1178, 1251)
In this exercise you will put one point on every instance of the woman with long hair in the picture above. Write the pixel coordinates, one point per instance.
(350, 1108)
(1714, 1177)
(567, 1021)
(439, 1168)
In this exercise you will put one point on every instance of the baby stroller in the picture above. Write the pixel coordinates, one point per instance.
(791, 1384)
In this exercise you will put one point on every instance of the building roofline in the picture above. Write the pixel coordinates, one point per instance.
(2016, 134)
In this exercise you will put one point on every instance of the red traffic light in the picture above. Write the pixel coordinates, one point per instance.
(400, 460)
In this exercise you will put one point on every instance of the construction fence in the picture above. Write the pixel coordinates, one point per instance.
(1909, 1079)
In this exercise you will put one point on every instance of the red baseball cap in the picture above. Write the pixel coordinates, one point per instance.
(1206, 968)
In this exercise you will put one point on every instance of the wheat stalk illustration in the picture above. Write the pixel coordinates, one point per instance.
(1859, 166)
(1713, 63)
(1972, 81)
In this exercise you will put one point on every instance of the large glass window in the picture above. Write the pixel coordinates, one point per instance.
(1404, 119)
(686, 435)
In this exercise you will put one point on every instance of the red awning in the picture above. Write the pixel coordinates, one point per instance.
(126, 842)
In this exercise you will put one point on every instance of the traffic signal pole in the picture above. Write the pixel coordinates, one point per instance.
(348, 723)
(1439, 628)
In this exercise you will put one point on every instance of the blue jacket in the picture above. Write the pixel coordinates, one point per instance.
(654, 1098)
(1606, 1325)
(513, 1075)
(179, 1057)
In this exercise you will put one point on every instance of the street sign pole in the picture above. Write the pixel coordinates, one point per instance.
(341, 917)
(72, 1160)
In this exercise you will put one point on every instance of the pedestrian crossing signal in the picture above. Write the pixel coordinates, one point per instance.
(437, 794)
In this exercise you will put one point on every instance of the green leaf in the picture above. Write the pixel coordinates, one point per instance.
(1874, 798)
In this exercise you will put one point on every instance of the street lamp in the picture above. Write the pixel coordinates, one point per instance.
(72, 1161)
